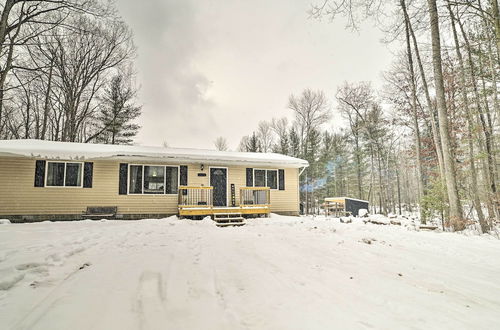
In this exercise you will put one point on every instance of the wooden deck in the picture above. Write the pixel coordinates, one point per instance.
(198, 201)
(185, 210)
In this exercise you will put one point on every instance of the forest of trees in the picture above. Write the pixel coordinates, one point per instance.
(430, 137)
(428, 140)
(66, 72)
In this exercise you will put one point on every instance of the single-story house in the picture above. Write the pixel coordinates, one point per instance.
(42, 180)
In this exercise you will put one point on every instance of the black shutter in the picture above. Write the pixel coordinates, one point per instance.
(122, 190)
(281, 179)
(40, 173)
(183, 169)
(183, 175)
(249, 177)
(88, 171)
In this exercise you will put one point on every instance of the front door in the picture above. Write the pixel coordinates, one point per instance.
(218, 180)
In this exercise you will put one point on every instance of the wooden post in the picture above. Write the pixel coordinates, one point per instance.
(233, 196)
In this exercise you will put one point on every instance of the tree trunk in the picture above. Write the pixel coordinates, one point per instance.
(380, 184)
(358, 168)
(491, 157)
(46, 107)
(487, 129)
(415, 121)
(4, 20)
(496, 20)
(492, 65)
(456, 214)
(430, 106)
(463, 85)
(399, 190)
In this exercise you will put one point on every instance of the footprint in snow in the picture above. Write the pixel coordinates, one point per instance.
(74, 251)
(30, 266)
(7, 281)
(85, 265)
(368, 240)
(39, 284)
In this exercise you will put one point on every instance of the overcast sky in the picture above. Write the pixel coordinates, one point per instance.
(211, 68)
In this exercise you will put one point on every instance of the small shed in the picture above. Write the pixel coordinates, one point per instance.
(344, 206)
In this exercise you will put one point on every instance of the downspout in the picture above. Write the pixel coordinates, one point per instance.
(302, 170)
(300, 173)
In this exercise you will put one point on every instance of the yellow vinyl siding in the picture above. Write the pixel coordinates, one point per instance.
(281, 200)
(18, 196)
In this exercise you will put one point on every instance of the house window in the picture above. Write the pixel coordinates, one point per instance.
(172, 180)
(265, 178)
(73, 177)
(259, 177)
(272, 179)
(135, 179)
(153, 179)
(64, 174)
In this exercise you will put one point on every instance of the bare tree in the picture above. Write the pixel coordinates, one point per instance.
(82, 60)
(265, 135)
(21, 22)
(250, 143)
(414, 106)
(456, 213)
(280, 128)
(242, 146)
(311, 110)
(470, 124)
(220, 144)
(464, 88)
(355, 100)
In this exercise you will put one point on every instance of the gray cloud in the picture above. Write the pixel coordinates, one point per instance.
(210, 68)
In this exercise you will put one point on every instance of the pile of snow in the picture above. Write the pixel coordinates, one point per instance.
(8, 278)
(378, 219)
(362, 213)
(273, 273)
(4, 221)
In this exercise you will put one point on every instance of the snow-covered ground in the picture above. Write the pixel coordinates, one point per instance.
(276, 273)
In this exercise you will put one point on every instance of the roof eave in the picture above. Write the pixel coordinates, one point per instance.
(166, 158)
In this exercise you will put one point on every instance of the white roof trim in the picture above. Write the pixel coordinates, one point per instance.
(91, 151)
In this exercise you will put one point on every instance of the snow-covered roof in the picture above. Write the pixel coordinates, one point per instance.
(353, 199)
(92, 151)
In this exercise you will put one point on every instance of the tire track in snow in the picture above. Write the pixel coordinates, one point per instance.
(150, 301)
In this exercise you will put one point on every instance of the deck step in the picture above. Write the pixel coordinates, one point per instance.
(237, 219)
(227, 224)
(228, 219)
(226, 214)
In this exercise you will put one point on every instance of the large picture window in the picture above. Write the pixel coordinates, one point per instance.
(153, 179)
(64, 174)
(265, 178)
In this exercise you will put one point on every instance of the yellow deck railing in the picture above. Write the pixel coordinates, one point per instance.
(195, 196)
(252, 196)
(200, 196)
(198, 201)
